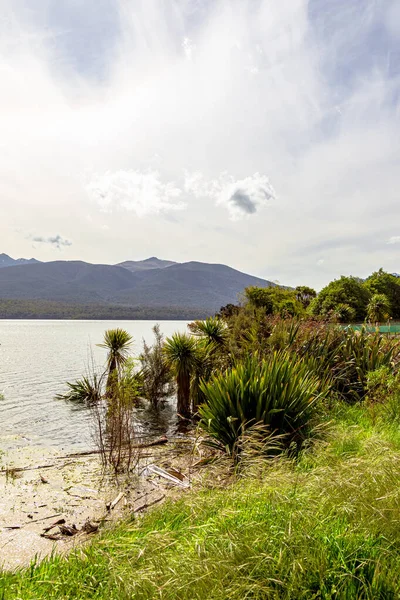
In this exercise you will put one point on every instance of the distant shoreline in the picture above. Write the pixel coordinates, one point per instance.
(17, 309)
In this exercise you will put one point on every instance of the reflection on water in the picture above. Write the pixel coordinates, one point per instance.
(38, 357)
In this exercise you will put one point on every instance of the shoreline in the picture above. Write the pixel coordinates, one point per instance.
(41, 488)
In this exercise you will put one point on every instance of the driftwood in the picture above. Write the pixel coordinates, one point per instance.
(11, 470)
(45, 518)
(148, 504)
(113, 504)
(159, 442)
(59, 522)
(90, 527)
(67, 530)
(51, 536)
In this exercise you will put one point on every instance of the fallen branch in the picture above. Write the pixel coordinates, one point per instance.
(45, 518)
(59, 522)
(148, 504)
(10, 470)
(113, 504)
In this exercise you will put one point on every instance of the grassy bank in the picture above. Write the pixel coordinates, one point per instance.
(324, 527)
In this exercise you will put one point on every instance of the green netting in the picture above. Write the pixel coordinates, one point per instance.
(392, 328)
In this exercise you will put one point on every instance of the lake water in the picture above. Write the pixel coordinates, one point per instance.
(37, 358)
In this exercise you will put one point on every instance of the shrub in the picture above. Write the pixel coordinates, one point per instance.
(280, 394)
(157, 376)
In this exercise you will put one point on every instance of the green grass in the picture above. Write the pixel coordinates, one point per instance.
(324, 527)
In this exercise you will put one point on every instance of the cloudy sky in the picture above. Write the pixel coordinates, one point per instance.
(256, 133)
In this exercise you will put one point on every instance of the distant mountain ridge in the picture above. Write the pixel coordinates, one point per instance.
(192, 287)
(7, 261)
(145, 265)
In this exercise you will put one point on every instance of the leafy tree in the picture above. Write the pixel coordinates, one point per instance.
(346, 290)
(274, 300)
(260, 298)
(182, 355)
(225, 312)
(381, 282)
(378, 309)
(305, 294)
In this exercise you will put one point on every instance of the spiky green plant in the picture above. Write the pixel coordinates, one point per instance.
(88, 390)
(118, 343)
(343, 313)
(182, 355)
(378, 309)
(213, 330)
(280, 394)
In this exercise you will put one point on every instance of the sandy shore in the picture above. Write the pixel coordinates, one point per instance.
(53, 487)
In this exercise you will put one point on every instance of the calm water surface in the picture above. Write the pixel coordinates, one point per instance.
(37, 358)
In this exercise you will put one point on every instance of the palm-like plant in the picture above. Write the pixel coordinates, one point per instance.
(378, 309)
(181, 354)
(88, 390)
(213, 330)
(117, 342)
(343, 313)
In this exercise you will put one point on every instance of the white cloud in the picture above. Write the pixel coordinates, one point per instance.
(395, 239)
(245, 197)
(242, 197)
(142, 193)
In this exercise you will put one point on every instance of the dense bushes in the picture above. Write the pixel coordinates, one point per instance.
(280, 393)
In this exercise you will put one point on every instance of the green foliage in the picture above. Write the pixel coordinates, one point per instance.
(131, 381)
(280, 394)
(344, 291)
(182, 355)
(383, 386)
(344, 356)
(378, 309)
(88, 390)
(343, 313)
(305, 294)
(212, 330)
(381, 282)
(275, 300)
(117, 342)
(157, 375)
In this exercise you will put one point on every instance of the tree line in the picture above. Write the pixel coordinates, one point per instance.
(375, 299)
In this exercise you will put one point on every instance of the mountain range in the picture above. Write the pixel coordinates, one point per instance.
(7, 261)
(158, 287)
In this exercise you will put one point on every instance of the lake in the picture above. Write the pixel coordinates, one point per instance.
(37, 358)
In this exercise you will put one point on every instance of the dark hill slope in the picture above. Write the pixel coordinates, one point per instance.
(188, 285)
(191, 284)
(74, 281)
